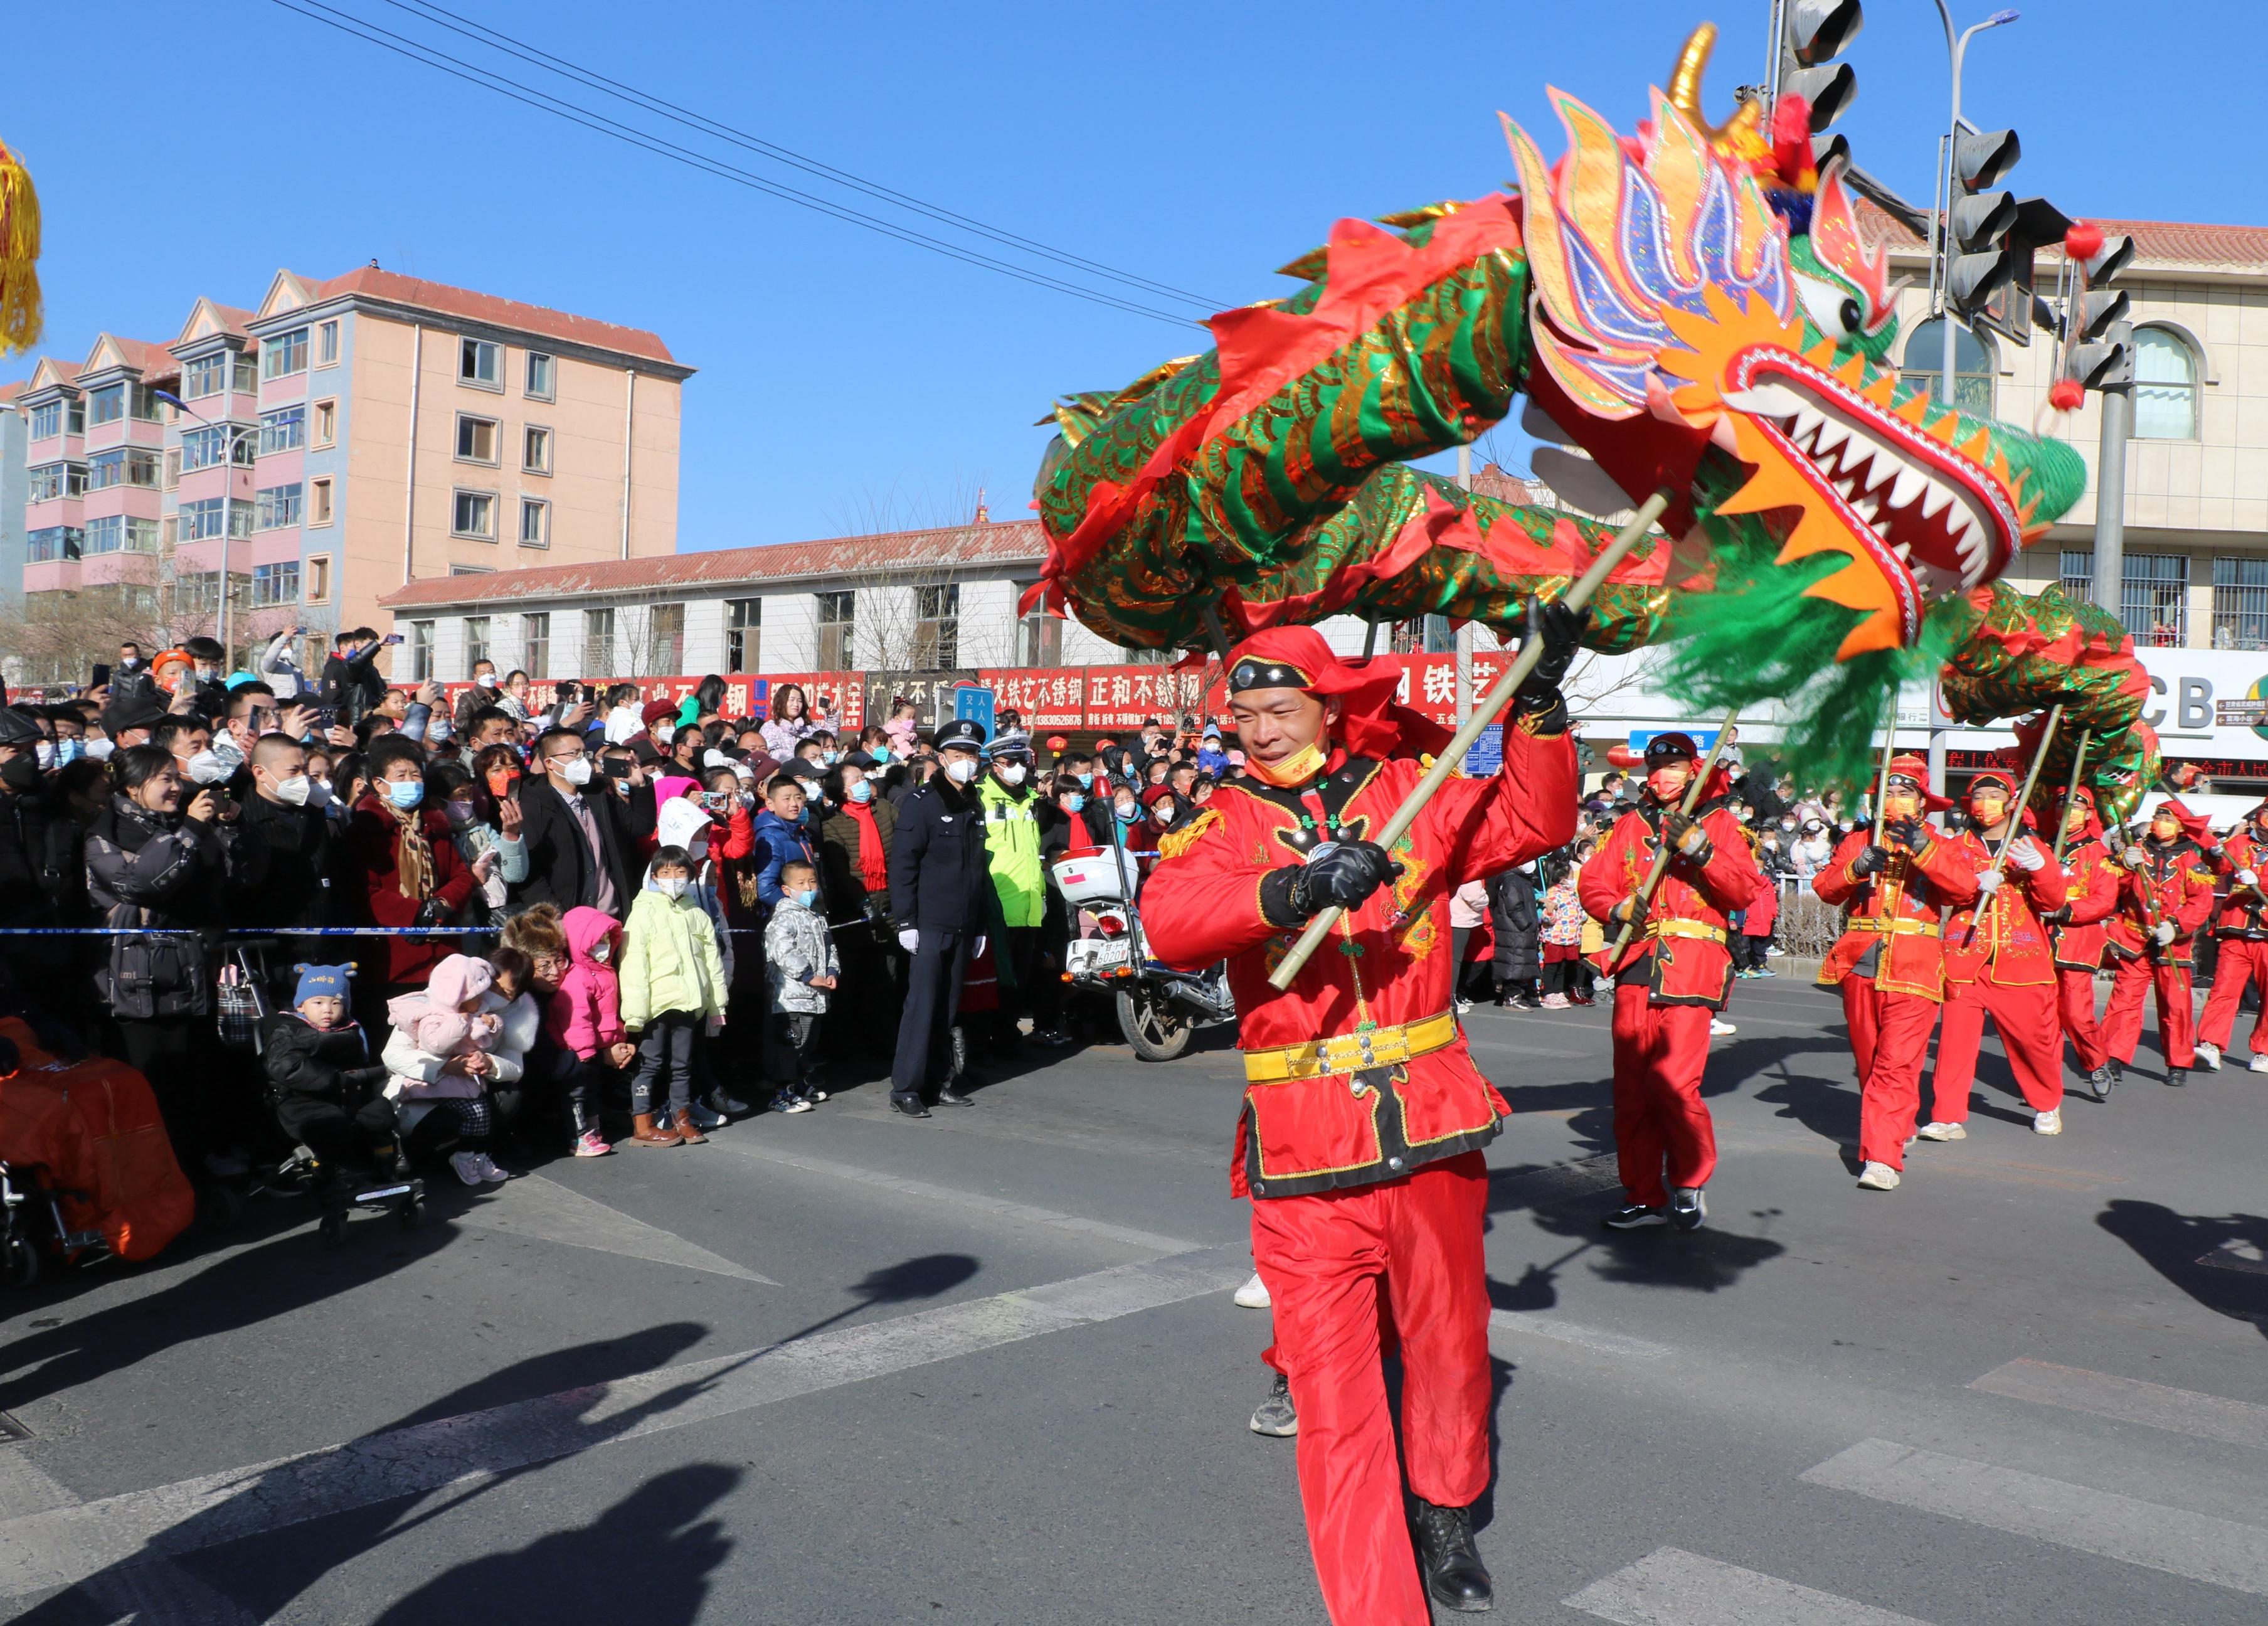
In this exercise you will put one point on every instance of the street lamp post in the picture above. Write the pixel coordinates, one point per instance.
(1957, 49)
(236, 435)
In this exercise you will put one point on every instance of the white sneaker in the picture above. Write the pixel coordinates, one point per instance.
(1942, 1131)
(1774, 952)
(490, 1170)
(1463, 1006)
(2049, 1122)
(1878, 1177)
(1719, 1027)
(2259, 1065)
(707, 1117)
(468, 1165)
(1254, 1294)
(2208, 1057)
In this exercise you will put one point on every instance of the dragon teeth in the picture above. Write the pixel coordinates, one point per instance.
(1908, 485)
(1866, 508)
(1832, 434)
(1936, 499)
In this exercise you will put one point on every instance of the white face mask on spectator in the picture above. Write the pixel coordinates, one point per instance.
(46, 753)
(99, 750)
(208, 767)
(578, 771)
(671, 885)
(1012, 773)
(961, 769)
(296, 789)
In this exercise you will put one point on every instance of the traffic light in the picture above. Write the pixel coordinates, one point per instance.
(1979, 260)
(2101, 353)
(1818, 32)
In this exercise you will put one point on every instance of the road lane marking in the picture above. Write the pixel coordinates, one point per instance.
(2130, 1400)
(159, 1593)
(1148, 1241)
(997, 1118)
(1553, 1327)
(1670, 1587)
(542, 1209)
(63, 1546)
(2219, 1551)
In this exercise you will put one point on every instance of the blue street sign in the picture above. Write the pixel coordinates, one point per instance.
(1485, 754)
(1703, 738)
(974, 705)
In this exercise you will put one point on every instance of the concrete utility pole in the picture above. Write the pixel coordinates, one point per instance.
(1465, 632)
(2110, 486)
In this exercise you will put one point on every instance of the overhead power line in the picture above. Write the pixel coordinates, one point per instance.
(495, 39)
(573, 113)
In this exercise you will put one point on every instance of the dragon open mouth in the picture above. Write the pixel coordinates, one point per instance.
(1906, 492)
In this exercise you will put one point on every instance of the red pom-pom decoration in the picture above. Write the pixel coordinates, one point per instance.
(2083, 240)
(2066, 396)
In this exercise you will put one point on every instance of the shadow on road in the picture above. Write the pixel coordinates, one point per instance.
(1705, 1261)
(2174, 1245)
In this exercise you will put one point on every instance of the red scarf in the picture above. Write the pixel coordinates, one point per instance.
(873, 863)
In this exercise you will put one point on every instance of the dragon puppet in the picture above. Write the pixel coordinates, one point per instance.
(1694, 310)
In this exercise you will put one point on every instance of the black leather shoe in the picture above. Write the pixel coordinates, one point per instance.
(1453, 1570)
(909, 1105)
(951, 1097)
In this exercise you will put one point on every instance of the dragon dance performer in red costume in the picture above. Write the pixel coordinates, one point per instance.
(1669, 983)
(2081, 928)
(1999, 963)
(1364, 1115)
(2241, 932)
(1889, 963)
(2167, 896)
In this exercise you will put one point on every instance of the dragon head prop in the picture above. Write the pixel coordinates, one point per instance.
(1709, 318)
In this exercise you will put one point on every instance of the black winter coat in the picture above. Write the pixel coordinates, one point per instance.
(331, 1065)
(941, 874)
(42, 879)
(288, 862)
(158, 870)
(559, 869)
(1517, 926)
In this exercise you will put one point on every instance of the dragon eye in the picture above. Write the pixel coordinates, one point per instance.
(1851, 315)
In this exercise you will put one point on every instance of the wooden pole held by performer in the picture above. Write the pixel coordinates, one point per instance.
(1579, 594)
(1660, 865)
(2078, 766)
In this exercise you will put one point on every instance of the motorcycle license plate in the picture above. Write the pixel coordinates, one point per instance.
(1092, 956)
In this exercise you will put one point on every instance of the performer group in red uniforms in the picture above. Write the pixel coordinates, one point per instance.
(1364, 1114)
(2166, 895)
(2241, 935)
(2094, 881)
(1670, 980)
(1894, 882)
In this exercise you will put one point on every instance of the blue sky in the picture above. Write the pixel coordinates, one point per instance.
(849, 382)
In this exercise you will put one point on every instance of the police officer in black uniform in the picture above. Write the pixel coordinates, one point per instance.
(940, 878)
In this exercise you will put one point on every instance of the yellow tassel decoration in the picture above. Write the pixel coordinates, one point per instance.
(21, 317)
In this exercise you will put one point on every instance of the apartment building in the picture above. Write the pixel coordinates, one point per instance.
(347, 436)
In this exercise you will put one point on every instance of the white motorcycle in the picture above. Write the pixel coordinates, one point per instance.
(1159, 1008)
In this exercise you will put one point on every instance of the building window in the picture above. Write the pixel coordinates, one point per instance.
(937, 628)
(319, 579)
(837, 616)
(1039, 636)
(2240, 603)
(284, 430)
(75, 416)
(476, 439)
(53, 543)
(326, 423)
(319, 502)
(48, 420)
(1972, 367)
(284, 354)
(207, 375)
(597, 644)
(421, 651)
(141, 535)
(327, 345)
(480, 364)
(1424, 635)
(244, 374)
(473, 514)
(207, 446)
(172, 466)
(2165, 387)
(276, 507)
(665, 639)
(536, 449)
(535, 645)
(196, 592)
(275, 584)
(2155, 599)
(208, 520)
(540, 369)
(534, 523)
(106, 405)
(52, 481)
(142, 401)
(477, 642)
(104, 535)
(744, 634)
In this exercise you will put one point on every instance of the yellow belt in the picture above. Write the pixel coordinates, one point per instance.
(1897, 928)
(1685, 929)
(1347, 1053)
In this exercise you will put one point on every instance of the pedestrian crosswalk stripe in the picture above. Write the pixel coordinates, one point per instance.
(538, 1207)
(1553, 1327)
(2130, 1400)
(2102, 1522)
(1669, 1587)
(65, 1545)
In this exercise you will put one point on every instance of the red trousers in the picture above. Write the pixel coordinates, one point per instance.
(2122, 1018)
(1889, 1034)
(1326, 1259)
(1660, 1121)
(2025, 1013)
(2240, 962)
(2076, 995)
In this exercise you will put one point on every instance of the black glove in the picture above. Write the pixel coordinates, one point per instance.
(1686, 836)
(1870, 861)
(2057, 918)
(1632, 911)
(432, 912)
(1914, 833)
(1344, 876)
(1561, 631)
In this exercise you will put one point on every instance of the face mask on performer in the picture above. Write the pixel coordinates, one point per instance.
(1988, 807)
(1667, 783)
(2164, 828)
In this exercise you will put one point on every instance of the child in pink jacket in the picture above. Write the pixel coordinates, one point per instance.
(586, 1016)
(451, 1108)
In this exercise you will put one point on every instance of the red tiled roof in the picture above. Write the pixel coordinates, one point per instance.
(8, 392)
(1014, 542)
(148, 359)
(2170, 242)
(396, 288)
